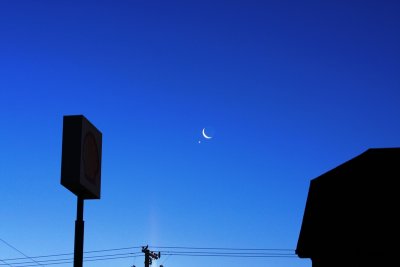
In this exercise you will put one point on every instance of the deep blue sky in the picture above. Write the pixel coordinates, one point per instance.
(290, 90)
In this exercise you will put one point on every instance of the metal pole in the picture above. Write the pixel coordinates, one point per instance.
(79, 232)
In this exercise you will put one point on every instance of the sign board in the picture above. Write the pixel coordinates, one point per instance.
(81, 157)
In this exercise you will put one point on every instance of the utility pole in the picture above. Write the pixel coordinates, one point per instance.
(149, 256)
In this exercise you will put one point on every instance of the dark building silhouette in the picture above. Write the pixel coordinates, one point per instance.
(350, 218)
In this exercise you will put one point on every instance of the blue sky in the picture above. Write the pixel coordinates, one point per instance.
(290, 89)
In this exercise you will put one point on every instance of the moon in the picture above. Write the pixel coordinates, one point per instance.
(205, 135)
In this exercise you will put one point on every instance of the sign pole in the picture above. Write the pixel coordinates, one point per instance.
(79, 233)
(81, 169)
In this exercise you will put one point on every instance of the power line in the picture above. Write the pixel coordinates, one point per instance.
(26, 256)
(180, 251)
(231, 255)
(158, 247)
(220, 248)
(224, 252)
(88, 257)
(5, 263)
(134, 255)
(71, 260)
(65, 254)
(227, 253)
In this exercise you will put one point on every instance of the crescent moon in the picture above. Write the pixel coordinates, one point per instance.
(204, 134)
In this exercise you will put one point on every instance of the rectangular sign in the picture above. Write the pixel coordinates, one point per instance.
(81, 157)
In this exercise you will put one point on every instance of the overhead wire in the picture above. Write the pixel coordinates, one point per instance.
(231, 255)
(86, 252)
(56, 261)
(135, 254)
(218, 248)
(183, 251)
(19, 251)
(5, 263)
(226, 252)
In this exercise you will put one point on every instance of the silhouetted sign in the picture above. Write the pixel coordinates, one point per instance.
(81, 157)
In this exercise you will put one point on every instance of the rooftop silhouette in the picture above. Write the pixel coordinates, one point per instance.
(349, 218)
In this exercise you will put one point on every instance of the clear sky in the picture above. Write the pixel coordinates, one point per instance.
(288, 89)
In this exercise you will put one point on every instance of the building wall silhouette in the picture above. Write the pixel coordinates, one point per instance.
(350, 214)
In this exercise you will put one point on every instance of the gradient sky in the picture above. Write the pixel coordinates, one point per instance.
(290, 89)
